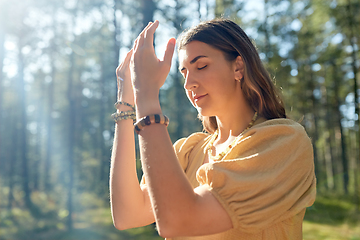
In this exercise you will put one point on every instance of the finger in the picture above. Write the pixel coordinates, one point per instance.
(136, 44)
(169, 52)
(149, 33)
(128, 57)
(124, 63)
(142, 34)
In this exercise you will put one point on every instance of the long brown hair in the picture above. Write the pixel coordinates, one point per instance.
(257, 86)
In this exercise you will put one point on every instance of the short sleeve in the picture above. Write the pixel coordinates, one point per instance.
(184, 148)
(266, 178)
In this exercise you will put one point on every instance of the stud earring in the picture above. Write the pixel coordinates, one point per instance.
(239, 80)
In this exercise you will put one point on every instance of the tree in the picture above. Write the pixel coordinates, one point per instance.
(2, 56)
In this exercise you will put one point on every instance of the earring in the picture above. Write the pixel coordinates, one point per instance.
(241, 81)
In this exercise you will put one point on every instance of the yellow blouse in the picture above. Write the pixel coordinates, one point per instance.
(265, 182)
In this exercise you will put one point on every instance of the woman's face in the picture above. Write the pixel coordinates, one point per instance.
(209, 78)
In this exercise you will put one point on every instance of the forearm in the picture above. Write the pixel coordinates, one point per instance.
(129, 203)
(179, 209)
(165, 179)
(125, 193)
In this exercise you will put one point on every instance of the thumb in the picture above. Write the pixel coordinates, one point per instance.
(169, 52)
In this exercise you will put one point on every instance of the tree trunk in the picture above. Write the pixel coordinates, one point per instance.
(268, 52)
(177, 86)
(104, 162)
(148, 8)
(315, 134)
(328, 162)
(199, 9)
(49, 121)
(179, 98)
(23, 128)
(117, 42)
(344, 159)
(13, 157)
(71, 136)
(329, 154)
(351, 20)
(39, 133)
(314, 105)
(2, 56)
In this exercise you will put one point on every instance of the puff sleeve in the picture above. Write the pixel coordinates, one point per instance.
(184, 148)
(184, 151)
(266, 178)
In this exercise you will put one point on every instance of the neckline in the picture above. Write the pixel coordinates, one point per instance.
(222, 154)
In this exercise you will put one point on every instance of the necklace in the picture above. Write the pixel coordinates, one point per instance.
(223, 153)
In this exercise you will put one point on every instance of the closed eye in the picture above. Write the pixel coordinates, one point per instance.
(202, 67)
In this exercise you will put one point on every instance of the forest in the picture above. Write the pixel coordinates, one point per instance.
(58, 89)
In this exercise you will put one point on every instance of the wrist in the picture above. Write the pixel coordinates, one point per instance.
(129, 100)
(146, 107)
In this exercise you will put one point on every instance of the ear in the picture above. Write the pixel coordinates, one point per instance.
(239, 68)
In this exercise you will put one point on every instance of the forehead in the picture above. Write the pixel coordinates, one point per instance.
(194, 49)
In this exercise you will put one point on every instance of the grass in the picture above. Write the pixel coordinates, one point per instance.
(330, 218)
(93, 224)
(319, 231)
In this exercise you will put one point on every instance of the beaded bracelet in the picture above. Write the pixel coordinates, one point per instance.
(116, 105)
(151, 119)
(118, 116)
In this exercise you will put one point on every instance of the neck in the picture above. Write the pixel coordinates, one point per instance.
(233, 124)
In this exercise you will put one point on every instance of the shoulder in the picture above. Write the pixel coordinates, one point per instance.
(267, 177)
(284, 124)
(190, 141)
(185, 147)
(281, 140)
(278, 130)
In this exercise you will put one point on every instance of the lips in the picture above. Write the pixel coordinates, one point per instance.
(198, 97)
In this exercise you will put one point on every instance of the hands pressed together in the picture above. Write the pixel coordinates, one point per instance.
(141, 74)
(180, 209)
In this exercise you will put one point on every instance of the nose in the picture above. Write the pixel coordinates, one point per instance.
(190, 82)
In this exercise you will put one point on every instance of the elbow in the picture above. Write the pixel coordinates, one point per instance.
(121, 227)
(165, 232)
(169, 228)
(121, 223)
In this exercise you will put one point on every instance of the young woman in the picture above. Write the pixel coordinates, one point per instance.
(251, 176)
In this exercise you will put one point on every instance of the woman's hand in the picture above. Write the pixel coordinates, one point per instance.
(125, 90)
(148, 73)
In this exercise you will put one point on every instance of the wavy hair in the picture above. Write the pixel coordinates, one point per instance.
(257, 86)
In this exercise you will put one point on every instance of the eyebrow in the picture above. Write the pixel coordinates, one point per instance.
(193, 61)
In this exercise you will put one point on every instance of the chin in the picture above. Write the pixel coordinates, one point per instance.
(203, 112)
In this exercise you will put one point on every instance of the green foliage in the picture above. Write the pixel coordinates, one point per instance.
(333, 209)
(333, 216)
(89, 224)
(65, 54)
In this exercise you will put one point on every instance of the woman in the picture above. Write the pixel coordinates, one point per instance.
(250, 177)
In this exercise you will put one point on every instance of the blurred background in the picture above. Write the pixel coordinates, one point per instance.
(58, 87)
